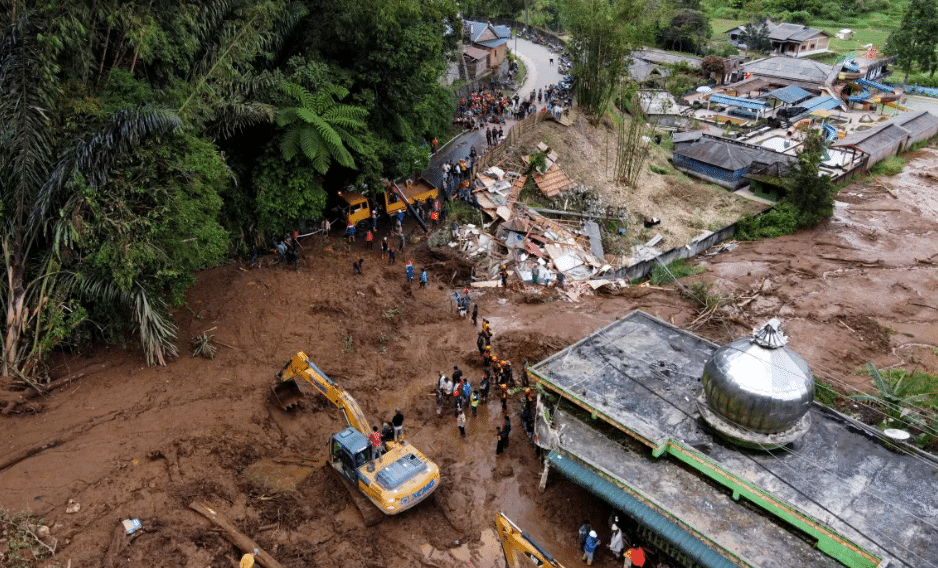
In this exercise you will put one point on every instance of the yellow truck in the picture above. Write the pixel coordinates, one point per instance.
(396, 197)
(396, 481)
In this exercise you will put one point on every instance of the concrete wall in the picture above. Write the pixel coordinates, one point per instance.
(642, 268)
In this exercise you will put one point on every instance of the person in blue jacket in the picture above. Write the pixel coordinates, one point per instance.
(410, 271)
(423, 278)
(592, 542)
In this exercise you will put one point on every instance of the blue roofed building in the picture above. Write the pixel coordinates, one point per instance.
(723, 161)
(493, 39)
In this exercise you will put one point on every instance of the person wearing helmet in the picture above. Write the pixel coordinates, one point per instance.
(589, 549)
(503, 395)
(247, 561)
(503, 271)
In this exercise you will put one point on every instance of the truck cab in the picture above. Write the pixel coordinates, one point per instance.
(355, 208)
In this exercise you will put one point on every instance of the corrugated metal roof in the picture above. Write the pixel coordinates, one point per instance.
(791, 94)
(794, 32)
(741, 102)
(474, 52)
(822, 102)
(640, 512)
(493, 43)
(792, 68)
(871, 141)
(502, 31)
(915, 122)
(689, 136)
(729, 155)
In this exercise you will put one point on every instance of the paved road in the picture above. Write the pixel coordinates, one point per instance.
(541, 73)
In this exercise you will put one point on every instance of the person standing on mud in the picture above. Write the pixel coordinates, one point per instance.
(480, 343)
(369, 240)
(484, 388)
(423, 278)
(474, 403)
(398, 423)
(506, 428)
(500, 446)
(503, 273)
(457, 373)
(461, 423)
(384, 247)
(409, 267)
(592, 542)
(391, 256)
(503, 395)
(475, 314)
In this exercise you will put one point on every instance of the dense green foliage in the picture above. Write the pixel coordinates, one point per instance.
(811, 193)
(603, 33)
(145, 140)
(809, 197)
(915, 40)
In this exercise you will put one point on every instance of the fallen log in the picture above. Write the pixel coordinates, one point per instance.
(28, 453)
(233, 535)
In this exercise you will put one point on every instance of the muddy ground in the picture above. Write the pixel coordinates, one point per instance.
(137, 442)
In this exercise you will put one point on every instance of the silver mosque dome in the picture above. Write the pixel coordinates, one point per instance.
(758, 385)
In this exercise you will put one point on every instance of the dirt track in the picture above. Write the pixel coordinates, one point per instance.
(144, 442)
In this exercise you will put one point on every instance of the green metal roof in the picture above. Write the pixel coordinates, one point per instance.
(679, 538)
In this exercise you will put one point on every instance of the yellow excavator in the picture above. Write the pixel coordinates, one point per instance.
(396, 481)
(517, 544)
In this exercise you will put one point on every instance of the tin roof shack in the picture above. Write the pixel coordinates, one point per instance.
(476, 61)
(723, 161)
(623, 423)
(660, 107)
(891, 137)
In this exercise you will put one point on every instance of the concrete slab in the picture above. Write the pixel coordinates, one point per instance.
(641, 375)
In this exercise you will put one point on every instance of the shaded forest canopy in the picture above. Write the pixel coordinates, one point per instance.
(145, 140)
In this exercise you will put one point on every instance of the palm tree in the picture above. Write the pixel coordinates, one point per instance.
(319, 127)
(37, 177)
(894, 393)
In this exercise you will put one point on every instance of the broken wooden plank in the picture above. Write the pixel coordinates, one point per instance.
(234, 536)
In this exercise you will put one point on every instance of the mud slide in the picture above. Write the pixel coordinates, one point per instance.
(126, 441)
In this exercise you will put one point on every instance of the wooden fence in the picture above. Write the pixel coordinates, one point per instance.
(497, 153)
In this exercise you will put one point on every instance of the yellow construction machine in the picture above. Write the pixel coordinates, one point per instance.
(396, 481)
(517, 544)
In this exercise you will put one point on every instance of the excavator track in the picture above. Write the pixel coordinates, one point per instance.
(371, 515)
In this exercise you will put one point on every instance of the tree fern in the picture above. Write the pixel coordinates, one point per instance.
(319, 127)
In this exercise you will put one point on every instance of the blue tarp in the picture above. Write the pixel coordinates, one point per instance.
(679, 538)
(791, 94)
(740, 102)
(823, 102)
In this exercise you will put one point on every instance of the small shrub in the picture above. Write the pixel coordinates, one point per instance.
(392, 313)
(658, 170)
(675, 271)
(24, 548)
(202, 346)
(348, 343)
(780, 220)
(889, 167)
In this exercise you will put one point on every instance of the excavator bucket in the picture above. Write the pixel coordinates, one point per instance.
(287, 394)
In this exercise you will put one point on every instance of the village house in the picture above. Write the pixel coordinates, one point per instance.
(723, 161)
(791, 40)
(491, 39)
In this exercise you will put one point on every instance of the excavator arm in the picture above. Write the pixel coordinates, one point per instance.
(518, 544)
(300, 367)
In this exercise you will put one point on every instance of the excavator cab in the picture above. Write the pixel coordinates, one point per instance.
(349, 451)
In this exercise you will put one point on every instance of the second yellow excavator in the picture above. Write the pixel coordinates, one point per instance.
(398, 480)
(517, 544)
